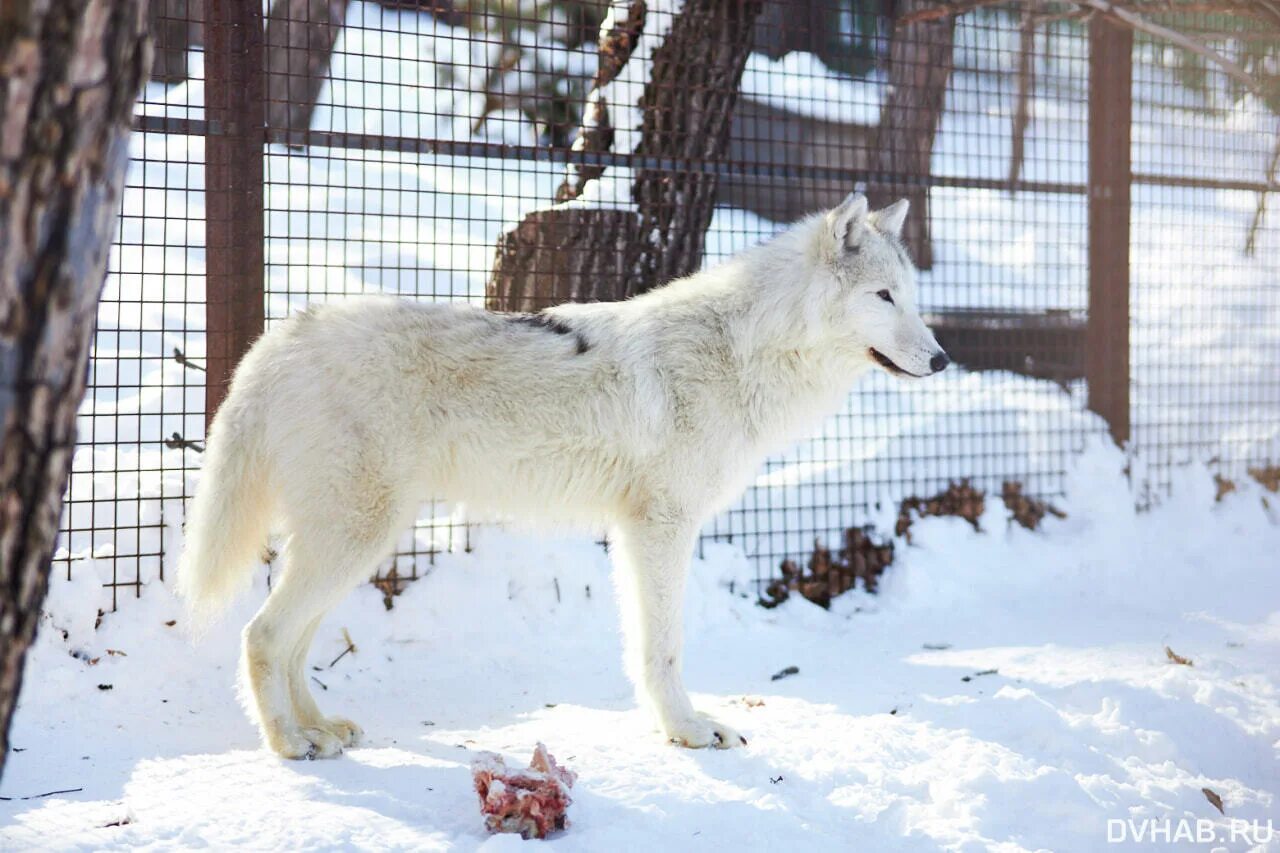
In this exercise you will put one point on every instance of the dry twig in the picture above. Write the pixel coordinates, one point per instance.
(1260, 211)
(1131, 15)
(1026, 82)
(944, 10)
(1122, 15)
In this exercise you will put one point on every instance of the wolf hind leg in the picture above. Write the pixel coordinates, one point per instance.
(322, 564)
(304, 704)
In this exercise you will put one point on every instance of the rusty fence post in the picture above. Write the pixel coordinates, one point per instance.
(233, 189)
(1110, 177)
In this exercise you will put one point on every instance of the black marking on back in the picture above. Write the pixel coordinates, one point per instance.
(542, 321)
(551, 324)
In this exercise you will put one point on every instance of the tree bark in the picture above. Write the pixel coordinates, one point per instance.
(299, 47)
(563, 254)
(72, 70)
(583, 252)
(687, 106)
(618, 36)
(920, 63)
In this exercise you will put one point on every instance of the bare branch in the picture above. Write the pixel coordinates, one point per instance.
(1025, 81)
(1256, 9)
(945, 10)
(1137, 22)
(1262, 10)
(1240, 35)
(1260, 211)
(1053, 18)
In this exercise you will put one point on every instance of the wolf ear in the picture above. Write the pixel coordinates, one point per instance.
(848, 219)
(890, 220)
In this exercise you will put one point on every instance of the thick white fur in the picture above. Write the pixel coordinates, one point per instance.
(643, 417)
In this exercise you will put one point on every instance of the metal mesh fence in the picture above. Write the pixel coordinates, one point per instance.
(1205, 337)
(403, 143)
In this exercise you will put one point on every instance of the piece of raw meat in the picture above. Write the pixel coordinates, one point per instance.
(531, 802)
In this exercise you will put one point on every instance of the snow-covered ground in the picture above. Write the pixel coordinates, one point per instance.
(889, 737)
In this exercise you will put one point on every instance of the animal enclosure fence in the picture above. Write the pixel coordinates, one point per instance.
(1088, 211)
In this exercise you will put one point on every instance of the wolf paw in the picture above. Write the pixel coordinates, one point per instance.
(347, 732)
(702, 731)
(307, 743)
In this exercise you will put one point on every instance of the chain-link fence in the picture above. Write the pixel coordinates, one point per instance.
(1093, 257)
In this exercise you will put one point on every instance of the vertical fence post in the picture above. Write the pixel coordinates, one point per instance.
(233, 189)
(1110, 175)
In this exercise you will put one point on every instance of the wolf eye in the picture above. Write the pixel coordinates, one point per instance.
(886, 296)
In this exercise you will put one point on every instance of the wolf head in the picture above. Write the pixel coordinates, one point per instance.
(874, 283)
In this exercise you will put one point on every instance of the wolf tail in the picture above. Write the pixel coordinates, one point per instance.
(229, 518)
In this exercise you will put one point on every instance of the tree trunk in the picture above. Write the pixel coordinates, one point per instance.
(920, 62)
(584, 252)
(687, 106)
(564, 254)
(72, 72)
(299, 43)
(618, 36)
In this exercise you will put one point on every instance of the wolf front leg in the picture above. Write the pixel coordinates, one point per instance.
(652, 559)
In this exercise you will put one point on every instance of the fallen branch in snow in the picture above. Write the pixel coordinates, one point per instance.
(980, 673)
(783, 673)
(351, 647)
(45, 794)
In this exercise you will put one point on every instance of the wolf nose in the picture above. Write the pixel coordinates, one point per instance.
(939, 362)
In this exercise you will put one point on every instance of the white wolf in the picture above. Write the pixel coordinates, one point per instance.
(642, 417)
